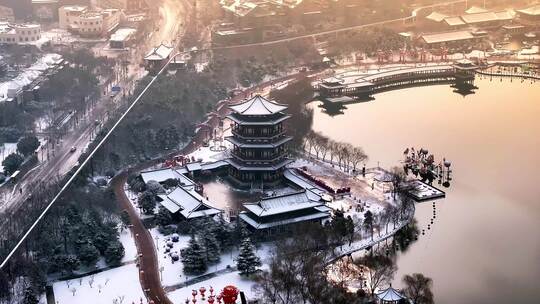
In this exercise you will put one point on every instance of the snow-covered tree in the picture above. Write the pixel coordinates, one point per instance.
(247, 262)
(193, 258)
(210, 245)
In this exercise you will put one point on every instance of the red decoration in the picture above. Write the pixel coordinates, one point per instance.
(202, 290)
(194, 293)
(211, 291)
(211, 300)
(230, 293)
(219, 297)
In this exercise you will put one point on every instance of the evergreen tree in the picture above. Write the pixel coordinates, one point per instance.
(163, 217)
(368, 222)
(124, 217)
(210, 245)
(193, 258)
(27, 145)
(12, 162)
(247, 262)
(88, 254)
(147, 201)
(114, 253)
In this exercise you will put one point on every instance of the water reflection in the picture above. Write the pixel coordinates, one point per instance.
(483, 246)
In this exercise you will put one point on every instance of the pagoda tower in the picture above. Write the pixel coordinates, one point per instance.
(259, 141)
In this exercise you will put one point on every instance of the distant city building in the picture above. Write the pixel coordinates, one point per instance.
(118, 4)
(80, 20)
(45, 10)
(15, 33)
(136, 5)
(121, 38)
(22, 9)
(259, 140)
(6, 14)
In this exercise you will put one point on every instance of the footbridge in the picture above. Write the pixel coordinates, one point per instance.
(366, 85)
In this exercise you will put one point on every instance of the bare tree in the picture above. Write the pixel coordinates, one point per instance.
(418, 288)
(379, 269)
(358, 156)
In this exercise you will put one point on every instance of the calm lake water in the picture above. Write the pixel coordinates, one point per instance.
(484, 246)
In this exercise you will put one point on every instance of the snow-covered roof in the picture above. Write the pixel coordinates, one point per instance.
(437, 17)
(242, 144)
(258, 105)
(285, 203)
(123, 34)
(164, 174)
(333, 79)
(475, 10)
(309, 217)
(448, 36)
(263, 123)
(262, 166)
(390, 295)
(29, 75)
(194, 166)
(479, 17)
(505, 15)
(302, 182)
(532, 11)
(190, 203)
(454, 21)
(159, 53)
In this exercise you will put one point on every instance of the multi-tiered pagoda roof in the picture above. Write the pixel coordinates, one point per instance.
(259, 140)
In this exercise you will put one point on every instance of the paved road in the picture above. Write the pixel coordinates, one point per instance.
(82, 134)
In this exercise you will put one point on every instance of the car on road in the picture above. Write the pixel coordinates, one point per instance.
(73, 149)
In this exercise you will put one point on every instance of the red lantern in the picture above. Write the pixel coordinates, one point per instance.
(194, 293)
(202, 290)
(230, 293)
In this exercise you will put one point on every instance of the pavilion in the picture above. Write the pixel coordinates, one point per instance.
(390, 296)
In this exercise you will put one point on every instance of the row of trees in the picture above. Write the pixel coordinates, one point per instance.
(345, 155)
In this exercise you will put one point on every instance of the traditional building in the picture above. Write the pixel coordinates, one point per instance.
(158, 57)
(278, 213)
(530, 15)
(259, 141)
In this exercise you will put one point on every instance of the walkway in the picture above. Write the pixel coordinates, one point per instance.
(363, 244)
(148, 263)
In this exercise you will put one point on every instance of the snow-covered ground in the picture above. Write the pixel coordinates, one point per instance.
(130, 250)
(172, 272)
(209, 154)
(120, 284)
(218, 283)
